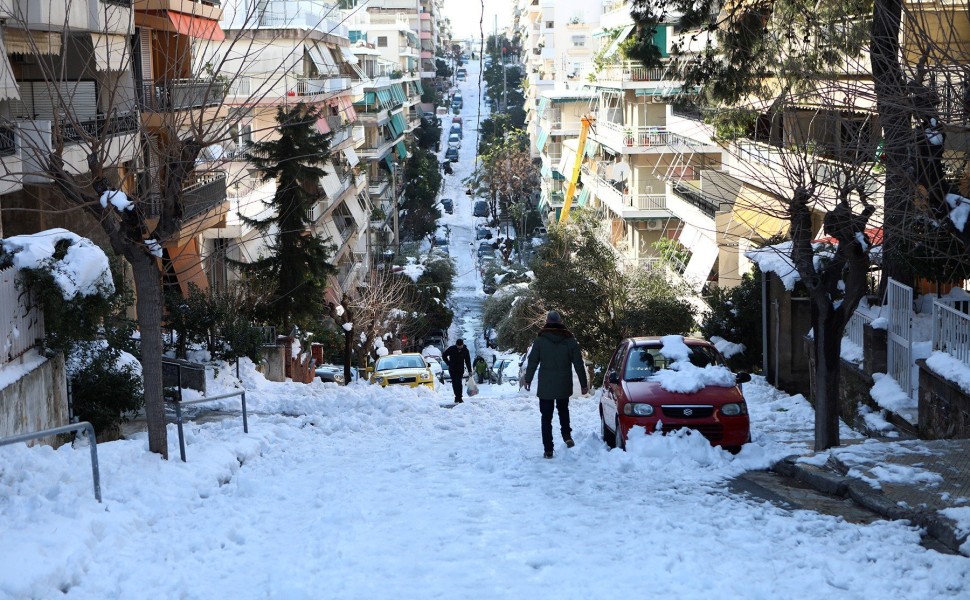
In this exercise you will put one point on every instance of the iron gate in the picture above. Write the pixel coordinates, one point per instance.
(900, 349)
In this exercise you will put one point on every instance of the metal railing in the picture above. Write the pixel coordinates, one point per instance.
(84, 426)
(178, 402)
(181, 94)
(900, 342)
(206, 192)
(706, 203)
(631, 70)
(855, 328)
(951, 330)
(8, 141)
(100, 126)
(21, 318)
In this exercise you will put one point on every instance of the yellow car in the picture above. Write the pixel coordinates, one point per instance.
(402, 369)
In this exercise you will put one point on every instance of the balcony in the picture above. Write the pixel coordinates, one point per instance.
(8, 141)
(202, 194)
(644, 139)
(706, 203)
(329, 85)
(623, 203)
(181, 94)
(100, 127)
(630, 71)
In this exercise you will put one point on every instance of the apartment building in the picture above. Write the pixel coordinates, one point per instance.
(290, 52)
(67, 82)
(557, 39)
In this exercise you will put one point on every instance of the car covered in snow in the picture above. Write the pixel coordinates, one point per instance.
(452, 154)
(409, 369)
(448, 205)
(454, 141)
(480, 208)
(669, 383)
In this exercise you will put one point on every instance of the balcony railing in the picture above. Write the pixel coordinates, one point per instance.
(181, 94)
(706, 203)
(203, 193)
(99, 127)
(206, 192)
(644, 137)
(631, 70)
(616, 194)
(8, 141)
(310, 87)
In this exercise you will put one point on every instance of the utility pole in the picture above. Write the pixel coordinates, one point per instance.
(397, 231)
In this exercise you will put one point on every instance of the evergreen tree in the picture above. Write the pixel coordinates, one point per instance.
(298, 262)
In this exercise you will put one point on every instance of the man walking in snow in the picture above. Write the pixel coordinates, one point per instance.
(554, 351)
(457, 358)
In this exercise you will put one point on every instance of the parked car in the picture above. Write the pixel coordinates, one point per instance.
(409, 369)
(454, 141)
(441, 240)
(483, 233)
(456, 129)
(489, 288)
(486, 248)
(334, 373)
(457, 119)
(448, 205)
(452, 154)
(480, 208)
(633, 395)
(539, 232)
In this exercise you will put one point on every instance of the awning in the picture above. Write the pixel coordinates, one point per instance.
(402, 150)
(398, 126)
(351, 157)
(760, 211)
(384, 97)
(9, 90)
(420, 88)
(543, 105)
(546, 170)
(389, 161)
(197, 27)
(541, 138)
(368, 99)
(349, 57)
(110, 52)
(543, 202)
(583, 197)
(591, 148)
(323, 126)
(20, 41)
(612, 48)
(661, 92)
(397, 92)
(330, 182)
(703, 254)
(322, 58)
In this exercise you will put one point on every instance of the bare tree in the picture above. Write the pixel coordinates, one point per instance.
(380, 308)
(116, 116)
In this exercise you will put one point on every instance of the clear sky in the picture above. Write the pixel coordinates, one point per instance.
(466, 14)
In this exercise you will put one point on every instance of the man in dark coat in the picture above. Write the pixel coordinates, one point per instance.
(457, 358)
(554, 352)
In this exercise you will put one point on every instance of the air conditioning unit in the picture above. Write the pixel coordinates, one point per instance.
(655, 224)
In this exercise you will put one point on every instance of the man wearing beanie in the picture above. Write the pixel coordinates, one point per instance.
(457, 358)
(554, 351)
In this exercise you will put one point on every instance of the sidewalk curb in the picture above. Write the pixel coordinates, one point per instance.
(832, 483)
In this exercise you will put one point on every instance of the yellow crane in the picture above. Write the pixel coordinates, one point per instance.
(586, 122)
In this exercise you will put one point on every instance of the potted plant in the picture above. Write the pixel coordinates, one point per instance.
(628, 136)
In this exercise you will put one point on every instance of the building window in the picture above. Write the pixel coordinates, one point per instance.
(579, 41)
(550, 24)
(382, 41)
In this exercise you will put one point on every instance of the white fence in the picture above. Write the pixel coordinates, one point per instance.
(21, 319)
(854, 329)
(900, 350)
(951, 329)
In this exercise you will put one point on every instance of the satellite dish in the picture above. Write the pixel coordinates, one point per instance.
(618, 171)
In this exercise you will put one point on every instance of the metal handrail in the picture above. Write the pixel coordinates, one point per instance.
(178, 402)
(84, 426)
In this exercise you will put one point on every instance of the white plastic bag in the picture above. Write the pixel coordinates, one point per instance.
(472, 388)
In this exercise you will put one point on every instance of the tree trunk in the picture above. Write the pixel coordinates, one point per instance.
(828, 341)
(148, 287)
(348, 352)
(891, 102)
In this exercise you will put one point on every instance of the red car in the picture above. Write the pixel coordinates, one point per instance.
(634, 397)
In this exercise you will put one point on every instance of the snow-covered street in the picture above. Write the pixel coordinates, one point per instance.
(364, 492)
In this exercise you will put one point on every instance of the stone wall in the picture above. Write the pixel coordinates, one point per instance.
(36, 401)
(944, 408)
